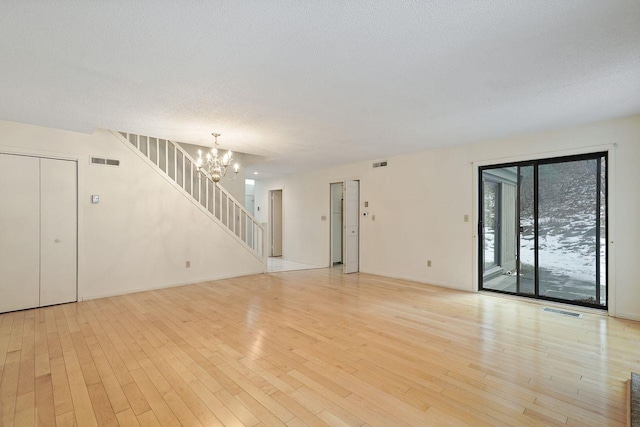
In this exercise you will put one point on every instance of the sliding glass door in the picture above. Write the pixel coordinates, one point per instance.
(543, 229)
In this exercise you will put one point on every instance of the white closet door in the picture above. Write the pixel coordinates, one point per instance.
(58, 232)
(19, 232)
(351, 206)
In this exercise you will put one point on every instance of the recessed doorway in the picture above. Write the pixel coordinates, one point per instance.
(336, 223)
(345, 225)
(275, 223)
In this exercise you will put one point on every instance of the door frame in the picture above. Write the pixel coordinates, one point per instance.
(331, 237)
(343, 182)
(536, 164)
(270, 221)
(609, 149)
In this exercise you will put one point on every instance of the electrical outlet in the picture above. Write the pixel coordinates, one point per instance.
(428, 263)
(188, 264)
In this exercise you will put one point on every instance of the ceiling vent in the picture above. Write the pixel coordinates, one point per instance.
(380, 164)
(103, 161)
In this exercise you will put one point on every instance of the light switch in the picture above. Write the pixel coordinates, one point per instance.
(466, 218)
(323, 218)
(366, 204)
(95, 199)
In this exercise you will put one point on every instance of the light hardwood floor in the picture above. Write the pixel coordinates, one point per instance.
(312, 348)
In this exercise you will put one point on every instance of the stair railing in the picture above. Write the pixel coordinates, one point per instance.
(181, 168)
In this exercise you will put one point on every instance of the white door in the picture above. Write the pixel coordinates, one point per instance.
(351, 204)
(19, 232)
(276, 223)
(58, 231)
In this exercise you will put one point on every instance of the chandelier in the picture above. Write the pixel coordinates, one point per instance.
(215, 166)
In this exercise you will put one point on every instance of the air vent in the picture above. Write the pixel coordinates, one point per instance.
(102, 161)
(380, 164)
(563, 312)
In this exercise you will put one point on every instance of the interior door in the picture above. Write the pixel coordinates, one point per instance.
(19, 232)
(351, 204)
(58, 231)
(276, 223)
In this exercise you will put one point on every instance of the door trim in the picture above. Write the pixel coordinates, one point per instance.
(331, 237)
(611, 223)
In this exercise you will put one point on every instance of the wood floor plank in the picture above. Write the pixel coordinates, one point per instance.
(312, 348)
(136, 399)
(116, 395)
(127, 418)
(105, 416)
(9, 388)
(44, 404)
(159, 408)
(83, 409)
(62, 399)
(25, 409)
(66, 420)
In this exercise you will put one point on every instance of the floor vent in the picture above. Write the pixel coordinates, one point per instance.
(101, 161)
(563, 312)
(380, 164)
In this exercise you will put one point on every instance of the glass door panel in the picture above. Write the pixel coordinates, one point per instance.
(526, 232)
(489, 221)
(499, 237)
(567, 210)
(602, 234)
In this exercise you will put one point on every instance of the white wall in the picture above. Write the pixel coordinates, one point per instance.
(249, 195)
(419, 202)
(144, 229)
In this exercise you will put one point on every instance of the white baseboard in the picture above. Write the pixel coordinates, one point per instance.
(627, 316)
(422, 282)
(169, 285)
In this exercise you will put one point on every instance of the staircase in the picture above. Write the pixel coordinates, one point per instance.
(216, 202)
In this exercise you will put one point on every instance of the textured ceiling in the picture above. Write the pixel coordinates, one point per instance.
(317, 83)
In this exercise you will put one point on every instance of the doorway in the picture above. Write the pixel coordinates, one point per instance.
(345, 225)
(275, 223)
(336, 223)
(543, 229)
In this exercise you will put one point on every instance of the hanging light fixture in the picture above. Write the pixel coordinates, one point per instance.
(215, 165)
